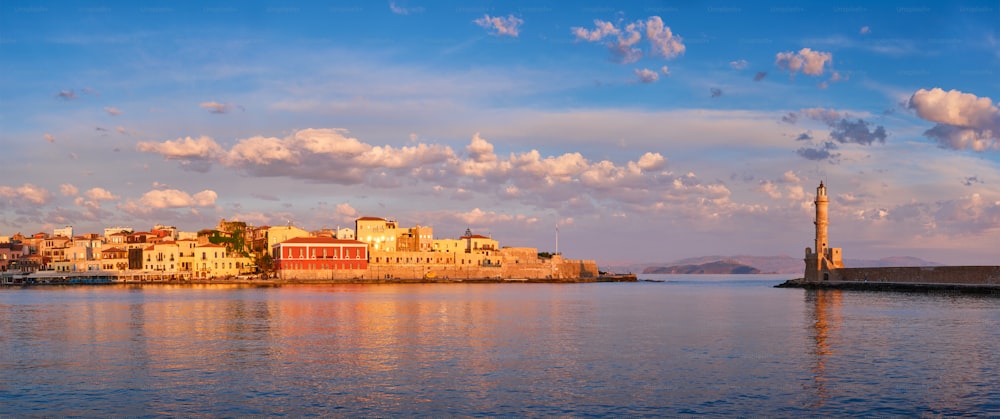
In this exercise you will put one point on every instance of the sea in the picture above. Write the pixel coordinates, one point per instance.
(683, 345)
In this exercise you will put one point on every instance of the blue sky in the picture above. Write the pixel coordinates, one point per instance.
(648, 131)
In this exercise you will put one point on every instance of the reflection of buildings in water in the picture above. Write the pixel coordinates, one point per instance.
(824, 313)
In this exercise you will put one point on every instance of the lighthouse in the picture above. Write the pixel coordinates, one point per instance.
(822, 205)
(825, 260)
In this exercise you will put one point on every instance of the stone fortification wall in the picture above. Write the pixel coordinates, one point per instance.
(969, 275)
(555, 268)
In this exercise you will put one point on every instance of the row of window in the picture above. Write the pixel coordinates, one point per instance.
(285, 265)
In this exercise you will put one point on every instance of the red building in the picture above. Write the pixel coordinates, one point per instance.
(319, 253)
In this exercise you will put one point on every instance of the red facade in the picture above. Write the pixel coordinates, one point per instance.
(320, 253)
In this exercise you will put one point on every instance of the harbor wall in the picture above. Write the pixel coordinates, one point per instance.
(556, 268)
(959, 275)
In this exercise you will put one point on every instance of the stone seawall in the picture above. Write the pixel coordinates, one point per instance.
(964, 279)
(557, 269)
(965, 275)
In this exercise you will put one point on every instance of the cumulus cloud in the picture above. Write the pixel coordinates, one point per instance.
(193, 153)
(112, 111)
(161, 199)
(100, 194)
(823, 151)
(665, 71)
(346, 211)
(843, 130)
(739, 64)
(662, 40)
(865, 30)
(68, 190)
(805, 61)
(25, 193)
(562, 182)
(967, 216)
(216, 107)
(646, 75)
(501, 26)
(479, 218)
(964, 121)
(857, 132)
(622, 38)
(49, 138)
(601, 30)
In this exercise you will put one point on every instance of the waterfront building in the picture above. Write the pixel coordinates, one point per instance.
(278, 234)
(379, 233)
(9, 252)
(118, 239)
(215, 261)
(114, 259)
(108, 231)
(415, 239)
(318, 257)
(162, 257)
(53, 248)
(345, 234)
(164, 232)
(64, 232)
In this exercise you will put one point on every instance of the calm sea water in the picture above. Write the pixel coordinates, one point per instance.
(718, 345)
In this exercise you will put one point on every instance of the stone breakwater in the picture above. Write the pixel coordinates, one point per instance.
(966, 279)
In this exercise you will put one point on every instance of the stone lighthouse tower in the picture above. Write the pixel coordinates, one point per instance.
(822, 206)
(825, 260)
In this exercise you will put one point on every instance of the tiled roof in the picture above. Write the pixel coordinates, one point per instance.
(371, 219)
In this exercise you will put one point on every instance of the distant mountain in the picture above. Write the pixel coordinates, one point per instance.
(888, 262)
(781, 264)
(718, 267)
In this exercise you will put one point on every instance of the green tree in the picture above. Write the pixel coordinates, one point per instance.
(265, 264)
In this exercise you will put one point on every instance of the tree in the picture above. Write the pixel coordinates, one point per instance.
(265, 264)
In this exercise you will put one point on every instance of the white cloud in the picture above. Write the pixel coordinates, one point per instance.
(100, 194)
(662, 40)
(161, 199)
(739, 64)
(112, 111)
(31, 193)
(964, 121)
(201, 148)
(865, 30)
(501, 26)
(665, 71)
(68, 189)
(601, 30)
(216, 107)
(805, 61)
(49, 138)
(646, 75)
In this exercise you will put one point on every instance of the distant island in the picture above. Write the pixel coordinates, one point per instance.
(719, 267)
(781, 264)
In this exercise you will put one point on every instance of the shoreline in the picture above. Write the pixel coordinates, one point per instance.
(926, 287)
(359, 281)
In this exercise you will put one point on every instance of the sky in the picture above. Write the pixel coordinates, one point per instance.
(625, 132)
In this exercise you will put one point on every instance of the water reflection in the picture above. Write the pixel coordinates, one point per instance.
(664, 349)
(824, 319)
